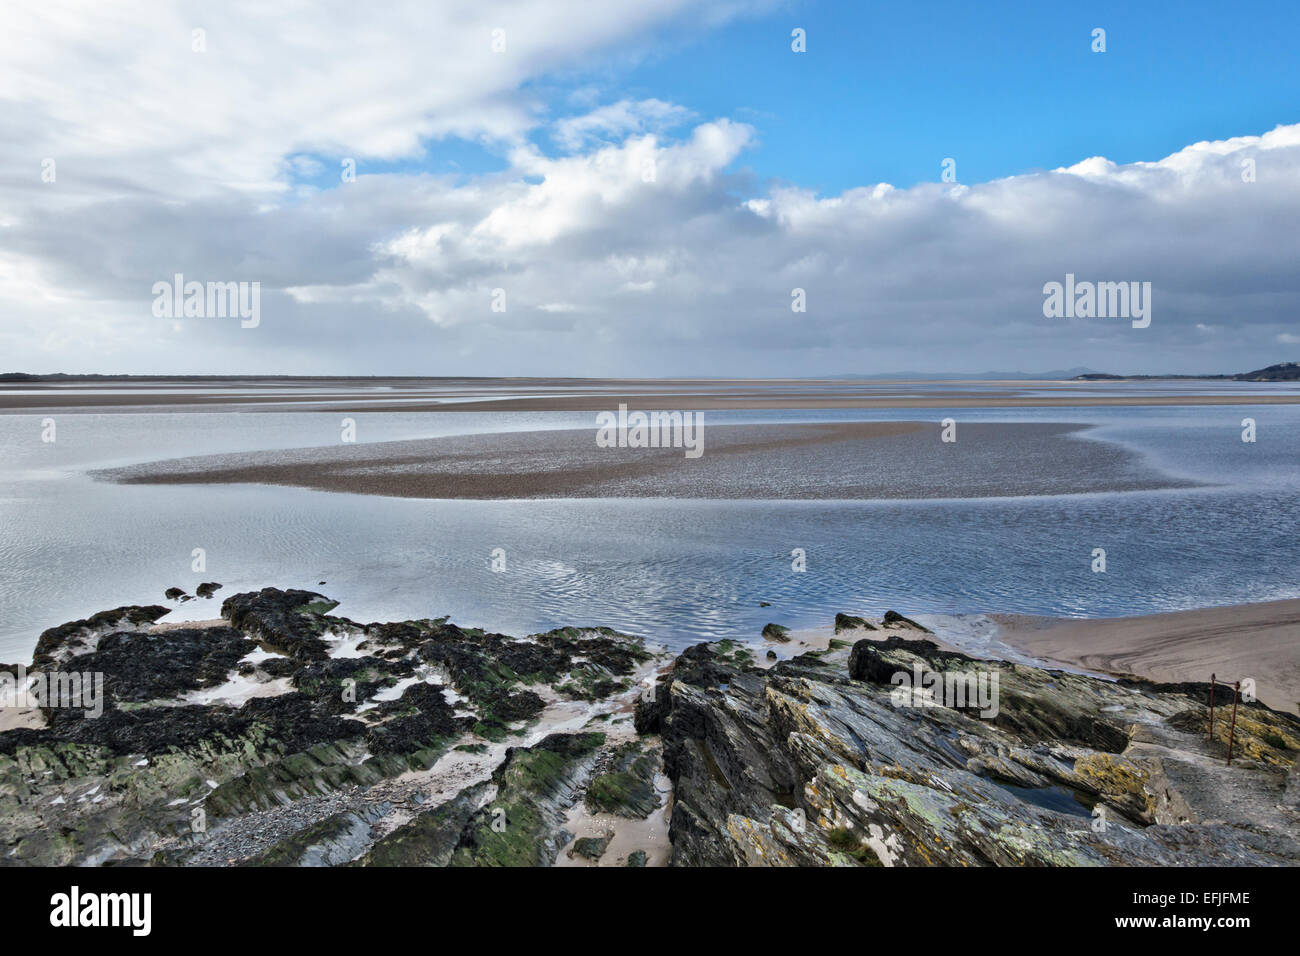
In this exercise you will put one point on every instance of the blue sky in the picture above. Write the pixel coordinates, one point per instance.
(885, 92)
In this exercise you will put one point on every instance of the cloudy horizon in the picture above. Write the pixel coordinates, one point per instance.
(465, 191)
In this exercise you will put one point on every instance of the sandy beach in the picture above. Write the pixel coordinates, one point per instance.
(1260, 641)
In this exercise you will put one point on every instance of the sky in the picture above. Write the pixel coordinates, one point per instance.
(616, 188)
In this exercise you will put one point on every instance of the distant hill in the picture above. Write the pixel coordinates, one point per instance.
(1051, 375)
(1107, 377)
(1282, 372)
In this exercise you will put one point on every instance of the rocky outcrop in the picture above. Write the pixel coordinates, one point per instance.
(893, 618)
(1291, 792)
(864, 757)
(534, 786)
(289, 736)
(592, 848)
(333, 841)
(849, 622)
(63, 641)
(625, 787)
(433, 836)
(292, 621)
(141, 667)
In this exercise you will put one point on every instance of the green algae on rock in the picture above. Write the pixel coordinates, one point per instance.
(288, 715)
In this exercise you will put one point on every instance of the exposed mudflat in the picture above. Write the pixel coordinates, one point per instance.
(823, 461)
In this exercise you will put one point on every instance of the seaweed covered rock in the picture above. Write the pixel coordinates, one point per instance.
(626, 786)
(522, 826)
(77, 637)
(432, 836)
(847, 622)
(293, 737)
(420, 719)
(140, 667)
(581, 663)
(292, 621)
(894, 619)
(592, 848)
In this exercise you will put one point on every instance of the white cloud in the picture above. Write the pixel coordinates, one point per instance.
(119, 95)
(641, 251)
(617, 120)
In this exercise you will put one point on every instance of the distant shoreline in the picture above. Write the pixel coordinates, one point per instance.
(1282, 371)
(345, 395)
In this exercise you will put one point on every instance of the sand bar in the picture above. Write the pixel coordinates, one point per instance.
(822, 461)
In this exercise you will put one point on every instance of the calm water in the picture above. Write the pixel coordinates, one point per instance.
(674, 571)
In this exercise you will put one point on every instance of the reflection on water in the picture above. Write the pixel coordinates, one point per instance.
(675, 571)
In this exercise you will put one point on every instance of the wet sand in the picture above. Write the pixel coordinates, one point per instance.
(823, 461)
(1260, 641)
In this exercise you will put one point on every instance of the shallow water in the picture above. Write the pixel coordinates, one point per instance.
(675, 571)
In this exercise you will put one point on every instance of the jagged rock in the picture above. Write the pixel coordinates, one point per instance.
(1027, 707)
(332, 841)
(894, 619)
(522, 824)
(1291, 792)
(636, 858)
(805, 765)
(431, 837)
(199, 729)
(625, 787)
(776, 632)
(287, 719)
(847, 622)
(292, 621)
(592, 848)
(209, 588)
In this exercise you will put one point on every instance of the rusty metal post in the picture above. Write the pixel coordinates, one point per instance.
(1233, 730)
(1211, 737)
